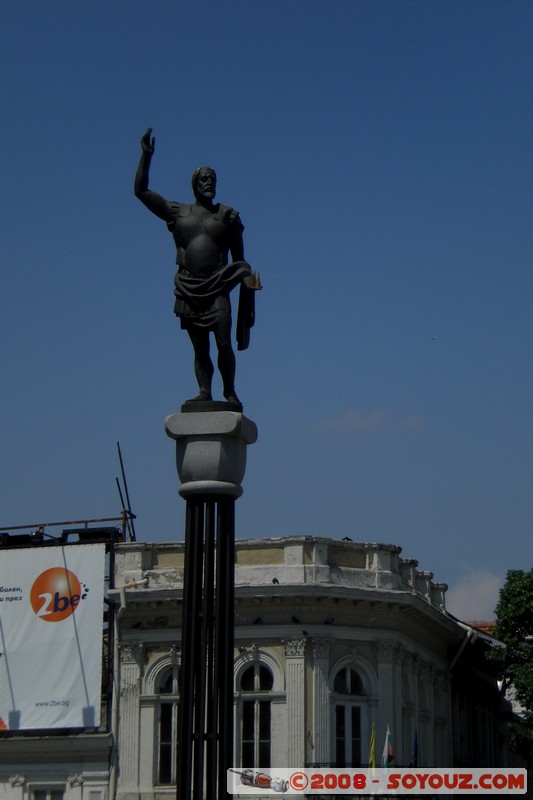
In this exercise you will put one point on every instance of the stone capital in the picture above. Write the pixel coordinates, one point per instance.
(321, 648)
(132, 653)
(211, 451)
(294, 648)
(386, 650)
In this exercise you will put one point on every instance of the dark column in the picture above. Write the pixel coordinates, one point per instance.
(211, 459)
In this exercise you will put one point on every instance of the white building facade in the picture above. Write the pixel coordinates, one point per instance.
(55, 766)
(332, 638)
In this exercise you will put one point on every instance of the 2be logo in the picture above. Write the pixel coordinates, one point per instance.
(56, 594)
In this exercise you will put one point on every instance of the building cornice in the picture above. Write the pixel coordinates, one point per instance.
(21, 749)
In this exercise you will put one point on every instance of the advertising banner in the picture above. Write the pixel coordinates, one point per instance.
(51, 604)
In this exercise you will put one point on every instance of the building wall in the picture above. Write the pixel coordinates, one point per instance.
(77, 765)
(307, 610)
(326, 633)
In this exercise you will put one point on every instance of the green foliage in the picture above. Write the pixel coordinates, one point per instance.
(514, 627)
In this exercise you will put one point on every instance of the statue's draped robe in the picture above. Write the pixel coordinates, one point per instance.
(201, 301)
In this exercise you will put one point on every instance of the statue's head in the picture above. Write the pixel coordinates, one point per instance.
(204, 182)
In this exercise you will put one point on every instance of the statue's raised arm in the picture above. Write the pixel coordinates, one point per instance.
(155, 202)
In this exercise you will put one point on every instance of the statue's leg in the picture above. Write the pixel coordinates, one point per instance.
(203, 366)
(226, 358)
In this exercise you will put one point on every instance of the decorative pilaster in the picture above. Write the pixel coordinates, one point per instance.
(295, 659)
(409, 685)
(321, 704)
(428, 713)
(441, 703)
(386, 689)
(397, 699)
(129, 734)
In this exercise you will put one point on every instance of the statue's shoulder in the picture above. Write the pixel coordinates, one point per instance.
(177, 210)
(230, 217)
(180, 209)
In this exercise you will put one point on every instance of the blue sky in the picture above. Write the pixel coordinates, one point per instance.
(380, 156)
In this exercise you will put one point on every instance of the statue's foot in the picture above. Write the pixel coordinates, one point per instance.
(231, 397)
(204, 395)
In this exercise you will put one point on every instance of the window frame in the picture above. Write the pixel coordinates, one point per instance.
(259, 700)
(353, 703)
(166, 700)
(47, 788)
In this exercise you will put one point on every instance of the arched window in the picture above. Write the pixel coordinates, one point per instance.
(255, 682)
(167, 689)
(347, 692)
(348, 681)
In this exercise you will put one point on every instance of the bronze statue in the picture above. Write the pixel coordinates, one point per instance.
(205, 233)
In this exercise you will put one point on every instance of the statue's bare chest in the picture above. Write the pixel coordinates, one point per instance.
(193, 223)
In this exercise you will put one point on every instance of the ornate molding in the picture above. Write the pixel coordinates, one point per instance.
(386, 650)
(294, 648)
(132, 653)
(425, 673)
(175, 655)
(440, 682)
(321, 648)
(409, 662)
(17, 780)
(75, 780)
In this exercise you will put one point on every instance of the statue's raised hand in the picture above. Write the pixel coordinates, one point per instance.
(147, 144)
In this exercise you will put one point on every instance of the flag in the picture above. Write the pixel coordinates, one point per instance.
(386, 758)
(414, 752)
(372, 748)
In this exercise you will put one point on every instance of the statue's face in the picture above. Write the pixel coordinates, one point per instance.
(206, 184)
